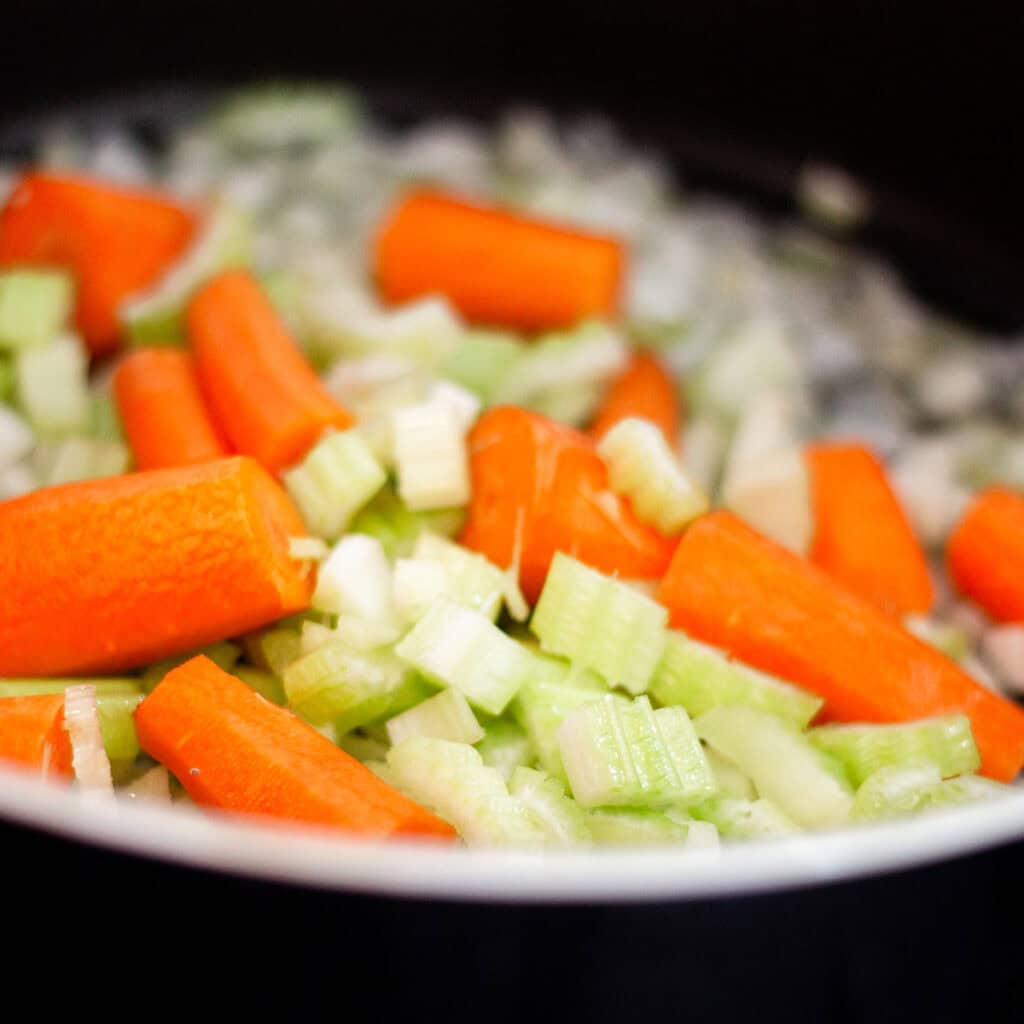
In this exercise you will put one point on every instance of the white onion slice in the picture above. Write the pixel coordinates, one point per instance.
(82, 721)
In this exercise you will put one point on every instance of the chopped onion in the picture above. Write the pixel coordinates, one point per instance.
(82, 721)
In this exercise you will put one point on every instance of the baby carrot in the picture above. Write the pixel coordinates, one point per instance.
(644, 389)
(730, 587)
(116, 241)
(862, 537)
(232, 749)
(539, 487)
(114, 573)
(32, 733)
(163, 411)
(985, 553)
(265, 396)
(494, 266)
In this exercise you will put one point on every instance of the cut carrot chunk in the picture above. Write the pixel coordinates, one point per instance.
(32, 733)
(646, 390)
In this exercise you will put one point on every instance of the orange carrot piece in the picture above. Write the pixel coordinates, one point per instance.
(733, 588)
(116, 241)
(985, 553)
(862, 537)
(110, 574)
(644, 389)
(541, 487)
(267, 399)
(494, 266)
(163, 411)
(32, 733)
(232, 749)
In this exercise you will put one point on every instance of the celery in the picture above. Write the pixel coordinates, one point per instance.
(505, 746)
(630, 826)
(471, 579)
(412, 690)
(617, 753)
(34, 307)
(79, 458)
(366, 634)
(222, 653)
(563, 821)
(729, 780)
(51, 385)
(104, 419)
(699, 677)
(6, 377)
(431, 456)
(744, 818)
(265, 683)
(273, 649)
(363, 748)
(336, 479)
(445, 716)
(452, 779)
(481, 360)
(391, 521)
(307, 549)
(949, 639)
(642, 467)
(356, 580)
(459, 647)
(417, 585)
(599, 623)
(464, 404)
(16, 438)
(573, 404)
(863, 749)
(782, 763)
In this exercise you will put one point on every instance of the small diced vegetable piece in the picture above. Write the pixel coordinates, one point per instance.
(89, 759)
(738, 818)
(16, 438)
(430, 456)
(51, 386)
(472, 579)
(356, 580)
(482, 359)
(445, 716)
(630, 826)
(32, 733)
(34, 307)
(729, 780)
(506, 746)
(563, 821)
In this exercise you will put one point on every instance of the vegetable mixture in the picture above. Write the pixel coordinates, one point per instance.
(483, 487)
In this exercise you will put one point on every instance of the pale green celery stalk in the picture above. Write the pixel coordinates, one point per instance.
(698, 677)
(573, 404)
(643, 468)
(729, 780)
(444, 716)
(950, 640)
(6, 377)
(562, 819)
(452, 779)
(335, 479)
(417, 585)
(459, 647)
(625, 753)
(744, 818)
(273, 649)
(481, 360)
(363, 748)
(390, 520)
(431, 458)
(781, 762)
(104, 419)
(472, 580)
(600, 623)
(414, 689)
(946, 740)
(631, 826)
(51, 386)
(223, 654)
(78, 458)
(34, 307)
(506, 747)
(265, 683)
(339, 685)
(355, 580)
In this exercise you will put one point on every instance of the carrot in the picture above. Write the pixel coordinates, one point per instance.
(232, 749)
(539, 487)
(730, 587)
(862, 537)
(644, 389)
(116, 241)
(114, 573)
(496, 267)
(267, 399)
(163, 411)
(32, 733)
(985, 553)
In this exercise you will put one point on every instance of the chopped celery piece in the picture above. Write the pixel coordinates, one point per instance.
(729, 780)
(625, 753)
(445, 716)
(6, 377)
(443, 522)
(573, 404)
(223, 654)
(51, 385)
(631, 826)
(265, 683)
(156, 317)
(417, 585)
(505, 746)
(430, 456)
(599, 623)
(363, 748)
(16, 438)
(452, 779)
(273, 649)
(356, 580)
(702, 835)
(945, 637)
(413, 690)
(698, 677)
(79, 458)
(967, 789)
(744, 818)
(481, 360)
(946, 740)
(104, 419)
(472, 580)
(391, 521)
(464, 404)
(313, 635)
(643, 468)
(365, 634)
(336, 479)
(34, 307)
(562, 819)
(459, 647)
(782, 763)
(337, 684)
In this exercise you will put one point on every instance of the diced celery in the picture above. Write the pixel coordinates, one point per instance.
(431, 456)
(481, 360)
(452, 779)
(417, 585)
(625, 753)
(573, 404)
(946, 740)
(104, 419)
(6, 377)
(729, 780)
(698, 677)
(600, 623)
(896, 789)
(630, 826)
(34, 307)
(265, 683)
(642, 467)
(967, 789)
(945, 637)
(335, 683)
(744, 818)
(472, 580)
(464, 404)
(16, 438)
(222, 653)
(51, 385)
(414, 689)
(459, 647)
(307, 549)
(363, 748)
(563, 821)
(356, 580)
(336, 479)
(445, 716)
(391, 521)
(79, 458)
(782, 763)
(273, 649)
(505, 746)
(366, 634)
